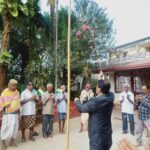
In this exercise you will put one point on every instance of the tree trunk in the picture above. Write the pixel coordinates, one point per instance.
(52, 10)
(54, 33)
(7, 22)
(2, 77)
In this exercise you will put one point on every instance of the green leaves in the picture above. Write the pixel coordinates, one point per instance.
(14, 11)
(5, 58)
(23, 8)
(2, 5)
(13, 7)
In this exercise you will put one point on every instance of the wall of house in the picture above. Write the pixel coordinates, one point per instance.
(110, 77)
(129, 52)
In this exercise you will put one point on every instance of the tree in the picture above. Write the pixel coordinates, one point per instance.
(95, 32)
(54, 34)
(29, 41)
(8, 9)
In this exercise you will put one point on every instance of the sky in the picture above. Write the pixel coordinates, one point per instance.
(131, 18)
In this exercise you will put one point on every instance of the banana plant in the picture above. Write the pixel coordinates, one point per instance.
(8, 10)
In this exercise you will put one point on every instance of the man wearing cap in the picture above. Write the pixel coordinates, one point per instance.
(100, 110)
(10, 106)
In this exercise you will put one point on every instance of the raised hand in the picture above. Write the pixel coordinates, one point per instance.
(76, 99)
(33, 98)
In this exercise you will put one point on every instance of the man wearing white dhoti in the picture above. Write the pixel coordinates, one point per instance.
(10, 106)
(86, 94)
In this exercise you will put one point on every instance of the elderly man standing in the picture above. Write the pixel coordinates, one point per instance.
(48, 102)
(10, 106)
(127, 107)
(143, 103)
(28, 101)
(86, 94)
(61, 97)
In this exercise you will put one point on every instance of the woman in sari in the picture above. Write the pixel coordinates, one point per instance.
(10, 106)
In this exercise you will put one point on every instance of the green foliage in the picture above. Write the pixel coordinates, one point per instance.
(37, 72)
(30, 42)
(12, 6)
(100, 32)
(14, 69)
(5, 58)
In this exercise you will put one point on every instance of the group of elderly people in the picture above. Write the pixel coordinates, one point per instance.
(15, 107)
(99, 111)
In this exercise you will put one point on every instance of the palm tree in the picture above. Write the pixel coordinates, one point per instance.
(54, 33)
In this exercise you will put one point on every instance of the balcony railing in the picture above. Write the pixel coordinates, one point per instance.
(122, 60)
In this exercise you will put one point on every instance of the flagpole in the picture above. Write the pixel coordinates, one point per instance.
(56, 45)
(68, 67)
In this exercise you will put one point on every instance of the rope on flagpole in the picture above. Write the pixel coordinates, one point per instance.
(68, 67)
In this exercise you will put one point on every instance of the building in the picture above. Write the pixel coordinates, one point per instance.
(127, 63)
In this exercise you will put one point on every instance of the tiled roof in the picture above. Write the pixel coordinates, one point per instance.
(131, 44)
(129, 66)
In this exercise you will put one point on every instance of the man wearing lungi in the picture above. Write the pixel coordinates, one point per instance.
(28, 101)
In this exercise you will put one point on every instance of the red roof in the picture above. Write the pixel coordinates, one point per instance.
(142, 64)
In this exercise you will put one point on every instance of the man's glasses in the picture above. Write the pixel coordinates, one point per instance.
(30, 84)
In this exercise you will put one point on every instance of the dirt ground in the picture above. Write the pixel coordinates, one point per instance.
(78, 141)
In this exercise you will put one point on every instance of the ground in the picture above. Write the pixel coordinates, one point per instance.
(78, 141)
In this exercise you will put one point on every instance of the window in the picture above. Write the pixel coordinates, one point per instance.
(124, 54)
(137, 84)
(120, 81)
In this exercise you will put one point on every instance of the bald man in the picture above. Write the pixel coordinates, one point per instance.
(127, 108)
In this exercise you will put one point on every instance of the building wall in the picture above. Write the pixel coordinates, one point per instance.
(121, 55)
(110, 77)
(129, 52)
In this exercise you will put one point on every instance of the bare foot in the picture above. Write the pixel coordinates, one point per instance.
(45, 137)
(63, 132)
(81, 130)
(138, 145)
(13, 144)
(51, 135)
(23, 140)
(32, 139)
(4, 146)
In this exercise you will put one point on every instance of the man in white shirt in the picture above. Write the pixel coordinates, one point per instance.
(86, 94)
(61, 98)
(127, 107)
(28, 101)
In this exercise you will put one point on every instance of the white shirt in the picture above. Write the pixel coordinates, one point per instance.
(127, 107)
(61, 103)
(85, 94)
(28, 108)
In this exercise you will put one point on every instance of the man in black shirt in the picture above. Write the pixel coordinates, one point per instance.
(100, 110)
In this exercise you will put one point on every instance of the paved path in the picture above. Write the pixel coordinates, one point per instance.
(78, 141)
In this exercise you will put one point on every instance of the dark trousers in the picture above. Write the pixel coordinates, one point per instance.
(101, 147)
(125, 122)
(47, 124)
